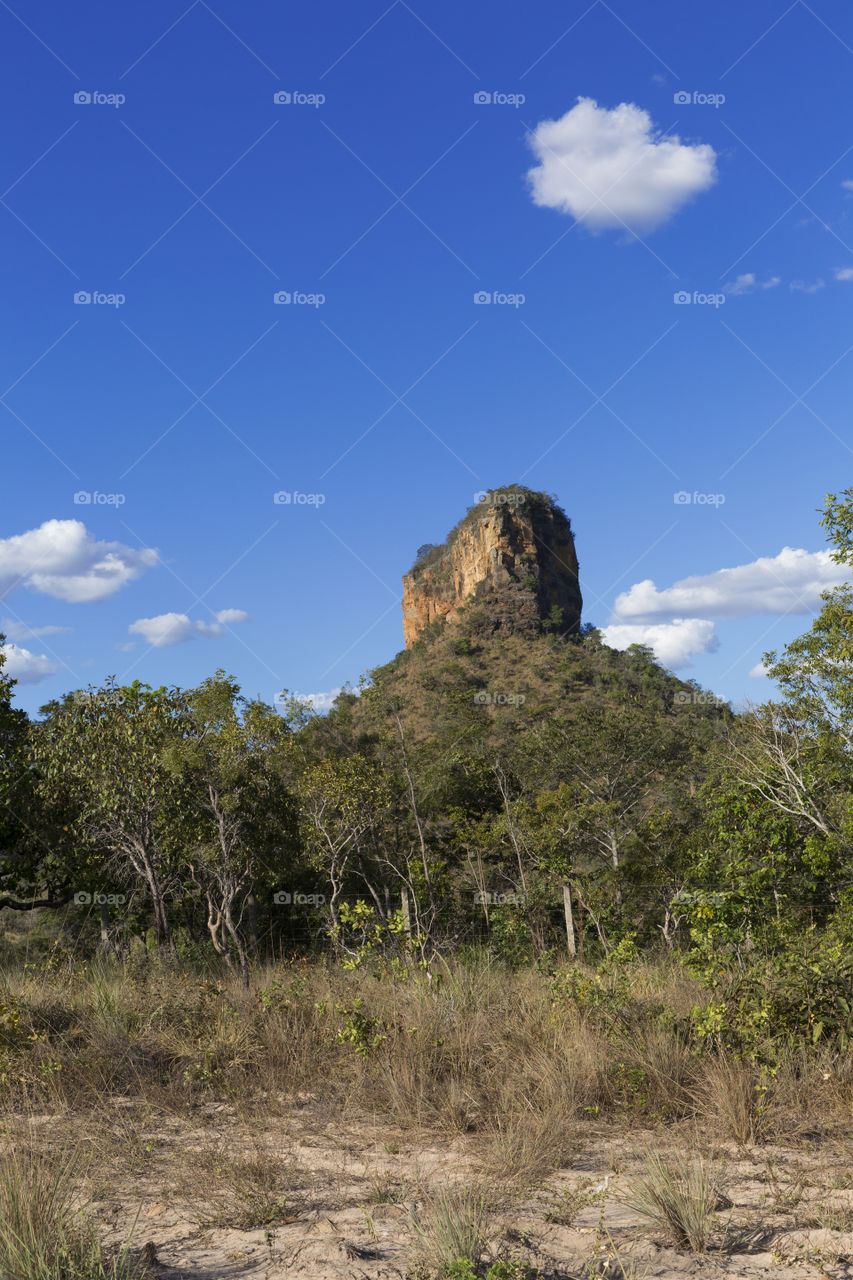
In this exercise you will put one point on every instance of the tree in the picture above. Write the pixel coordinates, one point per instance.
(342, 802)
(237, 812)
(102, 754)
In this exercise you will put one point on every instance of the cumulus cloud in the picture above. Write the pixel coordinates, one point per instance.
(26, 667)
(788, 583)
(844, 273)
(847, 184)
(612, 168)
(62, 559)
(174, 628)
(802, 286)
(674, 642)
(758, 670)
(748, 283)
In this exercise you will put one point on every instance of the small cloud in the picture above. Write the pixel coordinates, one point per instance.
(800, 286)
(174, 628)
(61, 558)
(747, 283)
(320, 701)
(758, 671)
(674, 643)
(847, 184)
(844, 273)
(26, 667)
(232, 615)
(612, 168)
(21, 631)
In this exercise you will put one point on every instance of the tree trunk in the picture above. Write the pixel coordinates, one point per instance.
(105, 927)
(570, 924)
(252, 917)
(407, 912)
(580, 925)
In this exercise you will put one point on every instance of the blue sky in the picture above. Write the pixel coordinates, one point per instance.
(698, 151)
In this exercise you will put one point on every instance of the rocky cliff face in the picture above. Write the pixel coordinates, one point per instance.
(513, 554)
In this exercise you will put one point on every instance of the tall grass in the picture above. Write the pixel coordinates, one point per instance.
(43, 1234)
(520, 1058)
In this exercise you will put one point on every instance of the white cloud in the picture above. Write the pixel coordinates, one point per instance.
(321, 701)
(26, 667)
(232, 615)
(674, 642)
(62, 559)
(748, 282)
(612, 168)
(844, 273)
(758, 670)
(847, 184)
(788, 583)
(800, 286)
(20, 631)
(175, 628)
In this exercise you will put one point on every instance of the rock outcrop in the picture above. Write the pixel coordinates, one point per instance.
(513, 554)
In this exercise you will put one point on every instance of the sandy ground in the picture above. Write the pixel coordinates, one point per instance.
(304, 1193)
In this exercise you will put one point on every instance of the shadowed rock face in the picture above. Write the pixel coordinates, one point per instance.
(513, 556)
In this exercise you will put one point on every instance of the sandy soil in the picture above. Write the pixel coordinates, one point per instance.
(305, 1193)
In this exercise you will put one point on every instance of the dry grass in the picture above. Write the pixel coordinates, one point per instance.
(455, 1224)
(733, 1098)
(472, 1049)
(44, 1235)
(679, 1196)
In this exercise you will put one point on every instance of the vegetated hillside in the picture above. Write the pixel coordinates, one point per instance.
(469, 677)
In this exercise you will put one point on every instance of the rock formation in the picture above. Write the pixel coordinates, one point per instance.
(513, 554)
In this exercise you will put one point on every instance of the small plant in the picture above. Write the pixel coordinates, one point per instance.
(567, 1204)
(453, 1234)
(360, 1030)
(786, 1193)
(680, 1196)
(386, 1189)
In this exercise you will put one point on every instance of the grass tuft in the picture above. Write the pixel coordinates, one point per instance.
(680, 1196)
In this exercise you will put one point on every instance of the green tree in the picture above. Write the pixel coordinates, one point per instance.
(101, 754)
(237, 816)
